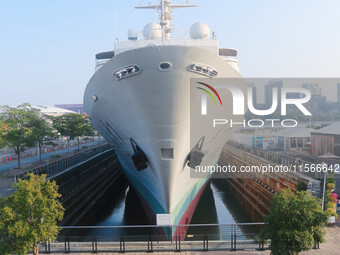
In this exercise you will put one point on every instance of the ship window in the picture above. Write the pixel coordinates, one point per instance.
(126, 72)
(167, 154)
(165, 66)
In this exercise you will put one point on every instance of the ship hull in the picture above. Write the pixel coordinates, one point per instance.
(152, 109)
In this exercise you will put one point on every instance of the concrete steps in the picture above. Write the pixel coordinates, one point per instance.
(315, 187)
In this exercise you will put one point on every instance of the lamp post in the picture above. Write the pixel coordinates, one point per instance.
(324, 184)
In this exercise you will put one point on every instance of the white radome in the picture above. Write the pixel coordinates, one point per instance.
(199, 30)
(132, 34)
(152, 31)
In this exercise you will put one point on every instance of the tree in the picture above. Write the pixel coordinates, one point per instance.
(41, 131)
(30, 215)
(72, 126)
(15, 128)
(295, 223)
(88, 129)
(3, 128)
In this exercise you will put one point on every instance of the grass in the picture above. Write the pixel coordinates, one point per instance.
(56, 156)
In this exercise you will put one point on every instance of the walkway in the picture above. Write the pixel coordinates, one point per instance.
(331, 247)
(29, 160)
(7, 173)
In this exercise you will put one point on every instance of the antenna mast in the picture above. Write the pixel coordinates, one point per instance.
(164, 24)
(165, 8)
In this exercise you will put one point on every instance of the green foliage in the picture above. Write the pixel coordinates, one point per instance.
(274, 160)
(29, 215)
(55, 156)
(328, 205)
(330, 186)
(41, 131)
(16, 129)
(331, 211)
(330, 180)
(330, 201)
(2, 133)
(295, 222)
(72, 126)
(301, 186)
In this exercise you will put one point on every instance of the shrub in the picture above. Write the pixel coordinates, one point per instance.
(332, 212)
(330, 180)
(332, 199)
(30, 215)
(332, 205)
(301, 186)
(295, 222)
(330, 186)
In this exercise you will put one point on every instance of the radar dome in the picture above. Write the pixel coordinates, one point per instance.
(133, 34)
(152, 31)
(199, 30)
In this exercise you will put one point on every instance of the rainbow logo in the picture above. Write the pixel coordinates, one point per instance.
(209, 93)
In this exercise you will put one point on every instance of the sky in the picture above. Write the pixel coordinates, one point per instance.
(47, 48)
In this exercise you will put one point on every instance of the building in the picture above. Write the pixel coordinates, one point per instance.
(313, 88)
(255, 136)
(293, 95)
(298, 138)
(254, 93)
(268, 92)
(326, 140)
(52, 111)
(78, 108)
(338, 97)
(290, 107)
(317, 103)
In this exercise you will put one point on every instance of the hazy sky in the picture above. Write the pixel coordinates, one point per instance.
(47, 48)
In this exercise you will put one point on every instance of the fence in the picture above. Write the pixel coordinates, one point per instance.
(197, 237)
(55, 167)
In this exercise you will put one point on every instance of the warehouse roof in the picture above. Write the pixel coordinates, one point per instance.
(52, 111)
(295, 132)
(333, 129)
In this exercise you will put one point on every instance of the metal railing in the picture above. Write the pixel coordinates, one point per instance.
(150, 238)
(59, 165)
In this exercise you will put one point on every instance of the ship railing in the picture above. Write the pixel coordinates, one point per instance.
(149, 238)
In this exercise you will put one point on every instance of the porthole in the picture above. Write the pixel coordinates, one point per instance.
(165, 66)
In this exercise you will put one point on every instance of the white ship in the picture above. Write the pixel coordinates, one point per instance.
(139, 100)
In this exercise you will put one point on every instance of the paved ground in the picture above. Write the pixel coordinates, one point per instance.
(26, 161)
(331, 247)
(7, 171)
